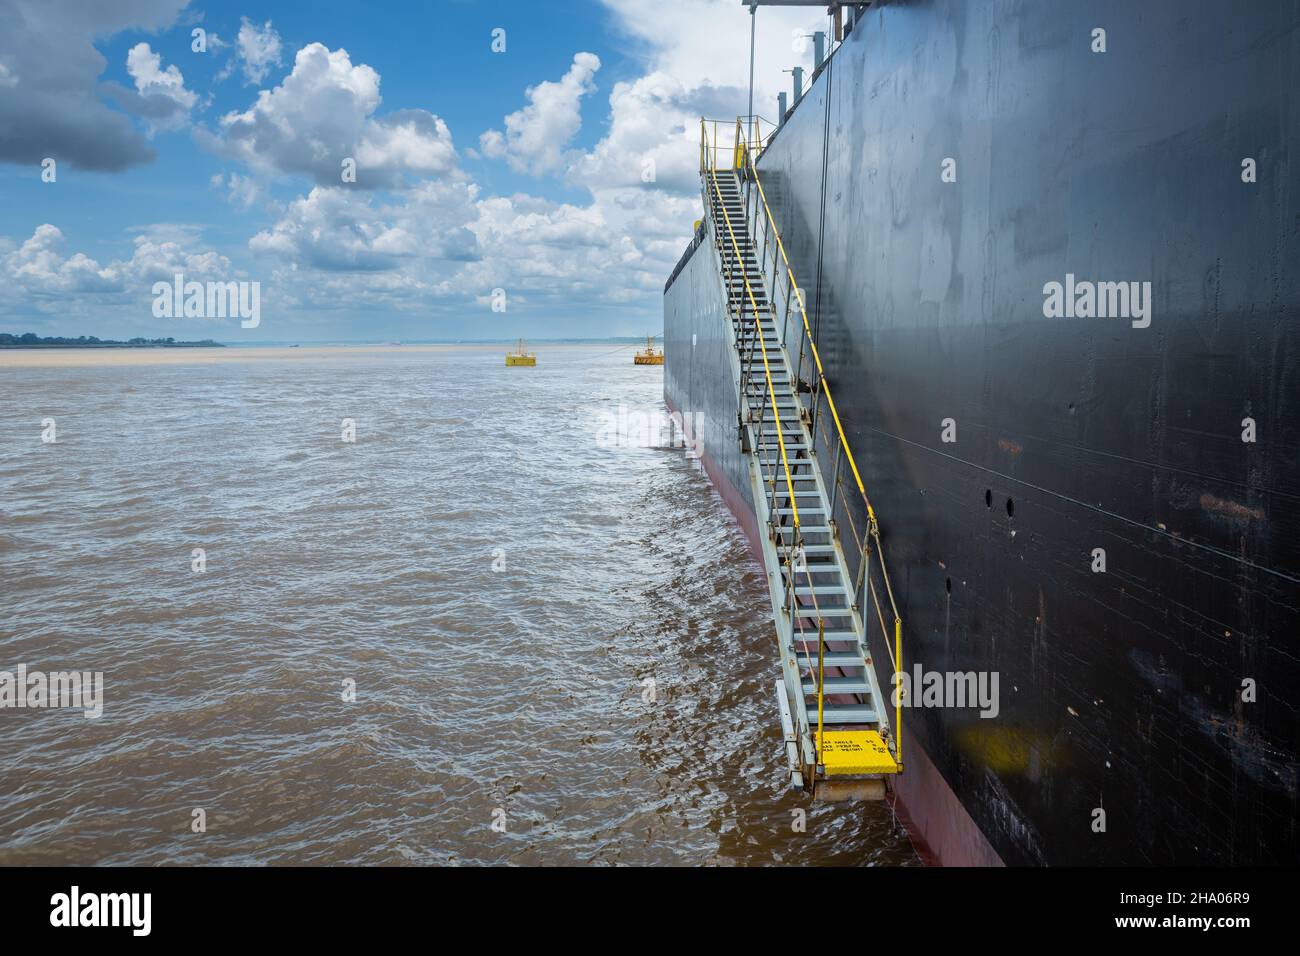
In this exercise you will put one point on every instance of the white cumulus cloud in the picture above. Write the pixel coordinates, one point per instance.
(160, 94)
(241, 191)
(337, 229)
(322, 114)
(39, 266)
(51, 100)
(258, 49)
(414, 234)
(536, 137)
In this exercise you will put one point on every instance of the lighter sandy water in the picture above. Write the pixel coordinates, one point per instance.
(519, 689)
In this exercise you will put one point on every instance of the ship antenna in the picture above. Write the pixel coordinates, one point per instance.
(753, 17)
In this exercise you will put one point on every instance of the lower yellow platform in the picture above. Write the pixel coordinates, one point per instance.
(846, 752)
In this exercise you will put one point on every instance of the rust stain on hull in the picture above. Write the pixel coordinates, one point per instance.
(1232, 510)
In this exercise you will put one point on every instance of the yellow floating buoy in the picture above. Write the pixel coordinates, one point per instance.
(520, 357)
(651, 355)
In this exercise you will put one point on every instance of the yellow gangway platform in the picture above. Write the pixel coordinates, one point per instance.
(520, 357)
(853, 752)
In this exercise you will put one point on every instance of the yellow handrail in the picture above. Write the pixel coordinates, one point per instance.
(898, 697)
(873, 527)
(791, 547)
(767, 369)
(821, 374)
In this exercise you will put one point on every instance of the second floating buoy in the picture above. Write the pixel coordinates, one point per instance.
(520, 357)
(651, 355)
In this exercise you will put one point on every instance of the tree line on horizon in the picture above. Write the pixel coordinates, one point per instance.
(26, 340)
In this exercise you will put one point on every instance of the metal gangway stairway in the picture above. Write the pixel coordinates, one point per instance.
(835, 720)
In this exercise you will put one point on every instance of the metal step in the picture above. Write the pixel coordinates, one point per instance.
(804, 591)
(857, 714)
(820, 566)
(828, 636)
(813, 564)
(838, 685)
(826, 614)
(833, 658)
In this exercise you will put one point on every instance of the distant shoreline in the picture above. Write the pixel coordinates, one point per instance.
(31, 341)
(233, 353)
(119, 345)
(14, 342)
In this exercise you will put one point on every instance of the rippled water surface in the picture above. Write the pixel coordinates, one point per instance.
(517, 689)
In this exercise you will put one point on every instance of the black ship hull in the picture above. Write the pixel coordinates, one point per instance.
(1148, 710)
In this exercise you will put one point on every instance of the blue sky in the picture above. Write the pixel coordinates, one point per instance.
(559, 171)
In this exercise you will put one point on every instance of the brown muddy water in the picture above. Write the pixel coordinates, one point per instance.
(498, 574)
